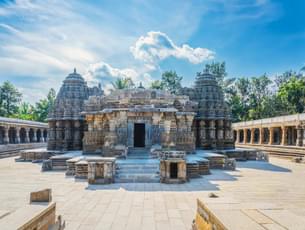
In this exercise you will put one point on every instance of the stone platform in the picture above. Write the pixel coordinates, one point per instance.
(141, 165)
(132, 206)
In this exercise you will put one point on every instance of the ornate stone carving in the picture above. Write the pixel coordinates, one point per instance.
(65, 119)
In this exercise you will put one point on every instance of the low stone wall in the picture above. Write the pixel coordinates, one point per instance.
(13, 149)
(31, 216)
(277, 150)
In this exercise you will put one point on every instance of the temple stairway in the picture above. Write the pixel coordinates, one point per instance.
(137, 171)
(138, 153)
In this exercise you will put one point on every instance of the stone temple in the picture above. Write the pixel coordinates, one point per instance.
(212, 123)
(85, 119)
(66, 123)
(138, 134)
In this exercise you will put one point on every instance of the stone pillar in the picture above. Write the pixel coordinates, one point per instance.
(34, 135)
(220, 131)
(166, 137)
(27, 135)
(52, 135)
(6, 139)
(271, 135)
(245, 136)
(303, 131)
(17, 139)
(252, 136)
(68, 135)
(45, 138)
(202, 132)
(59, 135)
(284, 135)
(212, 134)
(299, 136)
(41, 136)
(77, 141)
(261, 135)
(237, 136)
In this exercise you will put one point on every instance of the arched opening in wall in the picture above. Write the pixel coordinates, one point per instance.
(31, 135)
(2, 134)
(256, 136)
(235, 135)
(241, 136)
(45, 135)
(291, 135)
(12, 135)
(277, 135)
(38, 135)
(266, 136)
(22, 135)
(248, 135)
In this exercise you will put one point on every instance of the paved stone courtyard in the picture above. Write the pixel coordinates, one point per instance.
(279, 183)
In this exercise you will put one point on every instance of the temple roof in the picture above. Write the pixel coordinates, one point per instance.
(70, 98)
(139, 99)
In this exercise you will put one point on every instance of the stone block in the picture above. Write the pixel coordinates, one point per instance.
(101, 171)
(173, 167)
(230, 164)
(41, 196)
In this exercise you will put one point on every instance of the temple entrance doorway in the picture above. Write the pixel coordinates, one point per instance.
(173, 170)
(139, 135)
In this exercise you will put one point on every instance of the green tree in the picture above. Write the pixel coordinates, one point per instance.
(156, 85)
(242, 86)
(123, 83)
(171, 81)
(259, 93)
(43, 107)
(10, 98)
(25, 112)
(292, 93)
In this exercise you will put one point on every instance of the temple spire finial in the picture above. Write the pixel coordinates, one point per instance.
(74, 70)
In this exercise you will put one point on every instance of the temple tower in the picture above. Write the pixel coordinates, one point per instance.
(66, 123)
(212, 123)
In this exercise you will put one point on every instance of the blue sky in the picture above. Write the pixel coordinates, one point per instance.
(42, 41)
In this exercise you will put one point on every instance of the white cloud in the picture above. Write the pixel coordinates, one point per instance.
(104, 73)
(44, 40)
(157, 46)
(151, 49)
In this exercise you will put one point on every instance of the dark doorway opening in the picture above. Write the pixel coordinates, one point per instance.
(139, 135)
(173, 170)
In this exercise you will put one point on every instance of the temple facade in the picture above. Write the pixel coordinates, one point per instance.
(66, 123)
(85, 119)
(139, 118)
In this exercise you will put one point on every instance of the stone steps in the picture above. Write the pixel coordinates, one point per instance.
(138, 153)
(137, 171)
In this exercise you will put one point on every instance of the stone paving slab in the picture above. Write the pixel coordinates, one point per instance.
(278, 184)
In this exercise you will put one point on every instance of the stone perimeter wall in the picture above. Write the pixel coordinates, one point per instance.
(282, 133)
(19, 134)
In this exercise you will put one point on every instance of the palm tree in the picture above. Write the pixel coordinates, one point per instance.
(156, 85)
(123, 83)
